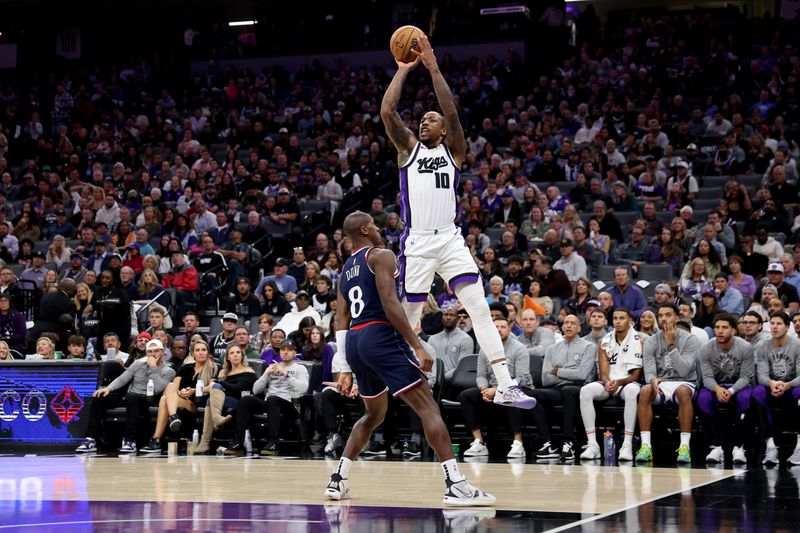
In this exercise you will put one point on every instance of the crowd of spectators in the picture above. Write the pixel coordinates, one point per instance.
(130, 207)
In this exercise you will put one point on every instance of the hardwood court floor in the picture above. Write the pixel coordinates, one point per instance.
(583, 489)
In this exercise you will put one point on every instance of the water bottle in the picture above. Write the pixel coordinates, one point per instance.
(151, 388)
(609, 448)
(248, 443)
(89, 351)
(199, 388)
(196, 437)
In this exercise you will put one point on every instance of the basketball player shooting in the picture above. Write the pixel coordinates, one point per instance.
(376, 349)
(431, 243)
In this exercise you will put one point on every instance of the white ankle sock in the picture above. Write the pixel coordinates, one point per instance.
(645, 438)
(685, 438)
(501, 373)
(451, 473)
(344, 467)
(628, 438)
(770, 442)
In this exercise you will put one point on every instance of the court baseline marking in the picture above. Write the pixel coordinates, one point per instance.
(642, 502)
(140, 520)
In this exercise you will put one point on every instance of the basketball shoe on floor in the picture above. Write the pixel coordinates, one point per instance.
(87, 446)
(771, 456)
(739, 456)
(645, 454)
(128, 447)
(476, 449)
(514, 397)
(338, 488)
(464, 494)
(794, 459)
(716, 455)
(548, 451)
(375, 447)
(153, 446)
(591, 452)
(626, 452)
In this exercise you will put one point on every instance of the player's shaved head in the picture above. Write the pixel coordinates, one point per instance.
(354, 222)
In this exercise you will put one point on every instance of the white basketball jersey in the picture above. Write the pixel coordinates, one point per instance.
(622, 357)
(428, 185)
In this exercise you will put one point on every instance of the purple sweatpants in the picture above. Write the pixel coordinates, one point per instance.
(708, 404)
(764, 401)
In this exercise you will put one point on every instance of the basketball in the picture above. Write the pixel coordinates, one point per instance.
(403, 41)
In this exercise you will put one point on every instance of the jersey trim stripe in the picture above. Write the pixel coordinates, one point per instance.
(463, 278)
(418, 297)
(405, 202)
(407, 388)
(450, 156)
(414, 154)
(370, 323)
(381, 393)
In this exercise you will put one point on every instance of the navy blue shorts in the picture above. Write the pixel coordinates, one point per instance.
(381, 360)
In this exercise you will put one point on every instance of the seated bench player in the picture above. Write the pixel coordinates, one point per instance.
(670, 374)
(619, 359)
(727, 363)
(778, 372)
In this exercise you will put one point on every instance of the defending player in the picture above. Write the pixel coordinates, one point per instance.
(376, 351)
(431, 243)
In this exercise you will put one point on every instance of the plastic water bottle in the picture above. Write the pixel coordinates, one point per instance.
(196, 437)
(89, 351)
(151, 388)
(609, 448)
(199, 388)
(248, 443)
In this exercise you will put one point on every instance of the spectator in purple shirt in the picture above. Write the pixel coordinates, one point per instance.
(272, 353)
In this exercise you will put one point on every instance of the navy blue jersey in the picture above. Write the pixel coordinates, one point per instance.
(360, 291)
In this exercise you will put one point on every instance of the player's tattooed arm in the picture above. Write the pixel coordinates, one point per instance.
(402, 137)
(455, 132)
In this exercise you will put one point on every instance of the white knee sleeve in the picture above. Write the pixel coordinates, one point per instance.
(588, 394)
(413, 311)
(472, 298)
(630, 395)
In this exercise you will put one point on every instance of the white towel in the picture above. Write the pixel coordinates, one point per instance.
(623, 356)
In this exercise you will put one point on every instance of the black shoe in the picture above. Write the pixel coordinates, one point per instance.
(547, 451)
(153, 446)
(174, 423)
(270, 449)
(375, 448)
(411, 449)
(567, 451)
(237, 450)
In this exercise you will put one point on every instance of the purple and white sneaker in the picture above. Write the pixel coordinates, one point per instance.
(514, 397)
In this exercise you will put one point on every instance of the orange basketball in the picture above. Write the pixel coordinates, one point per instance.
(403, 41)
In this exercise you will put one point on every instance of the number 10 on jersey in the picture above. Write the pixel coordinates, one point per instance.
(442, 180)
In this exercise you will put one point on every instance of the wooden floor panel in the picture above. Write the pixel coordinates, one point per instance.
(521, 487)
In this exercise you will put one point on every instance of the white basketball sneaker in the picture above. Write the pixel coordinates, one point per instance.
(338, 488)
(476, 449)
(716, 455)
(514, 397)
(739, 457)
(626, 452)
(591, 452)
(464, 494)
